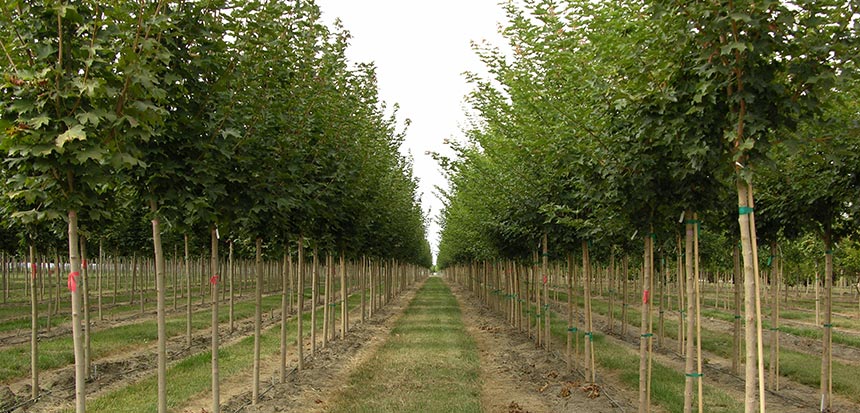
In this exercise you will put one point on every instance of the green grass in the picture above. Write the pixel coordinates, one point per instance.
(800, 367)
(58, 352)
(429, 363)
(192, 376)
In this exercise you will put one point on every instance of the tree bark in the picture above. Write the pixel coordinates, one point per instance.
(285, 275)
(827, 343)
(160, 321)
(258, 303)
(86, 303)
(690, 280)
(213, 281)
(300, 303)
(77, 333)
(644, 333)
(34, 325)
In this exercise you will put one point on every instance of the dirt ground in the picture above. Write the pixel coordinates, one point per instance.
(519, 377)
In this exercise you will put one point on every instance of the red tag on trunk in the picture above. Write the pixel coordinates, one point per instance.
(33, 266)
(544, 279)
(214, 279)
(73, 284)
(84, 264)
(645, 297)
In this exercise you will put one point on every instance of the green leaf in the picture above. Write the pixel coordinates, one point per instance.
(39, 121)
(739, 46)
(88, 118)
(74, 133)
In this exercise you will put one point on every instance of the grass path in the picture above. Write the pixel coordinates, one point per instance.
(429, 363)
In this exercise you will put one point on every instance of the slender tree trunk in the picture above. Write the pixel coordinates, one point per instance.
(545, 273)
(773, 366)
(750, 294)
(644, 333)
(230, 275)
(99, 275)
(86, 301)
(159, 291)
(34, 325)
(624, 304)
(117, 264)
(362, 277)
(6, 278)
(258, 303)
(690, 284)
(300, 303)
(285, 275)
(698, 295)
(174, 269)
(314, 300)
(344, 307)
(213, 281)
(571, 328)
(326, 298)
(590, 375)
(77, 331)
(187, 295)
(827, 338)
(736, 342)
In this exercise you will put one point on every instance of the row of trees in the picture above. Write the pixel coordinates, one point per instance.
(603, 121)
(216, 117)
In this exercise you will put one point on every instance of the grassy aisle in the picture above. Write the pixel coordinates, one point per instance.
(429, 363)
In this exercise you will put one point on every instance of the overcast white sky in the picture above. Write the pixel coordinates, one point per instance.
(421, 49)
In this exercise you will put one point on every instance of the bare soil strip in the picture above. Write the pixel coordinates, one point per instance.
(518, 376)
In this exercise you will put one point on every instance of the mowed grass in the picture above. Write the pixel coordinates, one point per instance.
(429, 363)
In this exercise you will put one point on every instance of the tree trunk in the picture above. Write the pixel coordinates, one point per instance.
(285, 275)
(34, 325)
(827, 343)
(362, 282)
(326, 300)
(99, 274)
(344, 306)
(230, 276)
(590, 375)
(86, 301)
(187, 294)
(690, 280)
(644, 333)
(750, 293)
(258, 303)
(773, 367)
(213, 281)
(697, 272)
(546, 312)
(736, 341)
(300, 303)
(159, 294)
(77, 333)
(571, 328)
(314, 299)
